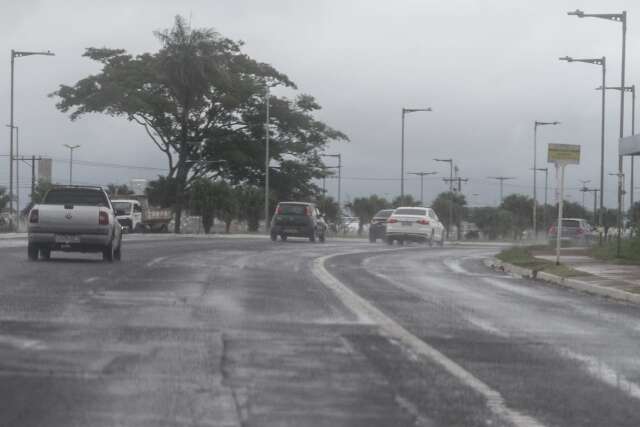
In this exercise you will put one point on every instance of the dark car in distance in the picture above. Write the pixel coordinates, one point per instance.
(378, 226)
(298, 219)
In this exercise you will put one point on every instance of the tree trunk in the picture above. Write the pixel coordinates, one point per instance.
(181, 183)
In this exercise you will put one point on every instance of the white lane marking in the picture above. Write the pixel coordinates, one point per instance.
(605, 373)
(363, 309)
(155, 261)
(91, 279)
(22, 343)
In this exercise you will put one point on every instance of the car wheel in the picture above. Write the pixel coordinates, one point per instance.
(312, 238)
(389, 241)
(401, 242)
(32, 251)
(274, 237)
(321, 238)
(45, 254)
(108, 253)
(283, 237)
(139, 228)
(372, 238)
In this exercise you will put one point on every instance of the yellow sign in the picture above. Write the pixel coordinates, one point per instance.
(568, 154)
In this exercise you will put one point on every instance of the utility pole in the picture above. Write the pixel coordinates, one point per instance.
(584, 183)
(502, 179)
(422, 175)
(339, 167)
(450, 161)
(457, 179)
(595, 200)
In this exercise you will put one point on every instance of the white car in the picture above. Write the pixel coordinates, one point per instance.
(415, 224)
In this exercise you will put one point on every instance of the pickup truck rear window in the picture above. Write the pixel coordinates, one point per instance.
(78, 197)
(292, 209)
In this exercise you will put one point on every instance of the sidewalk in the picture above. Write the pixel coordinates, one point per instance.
(623, 278)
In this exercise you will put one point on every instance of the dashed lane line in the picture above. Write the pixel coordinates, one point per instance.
(366, 311)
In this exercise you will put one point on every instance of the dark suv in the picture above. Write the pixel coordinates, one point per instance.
(298, 219)
(378, 226)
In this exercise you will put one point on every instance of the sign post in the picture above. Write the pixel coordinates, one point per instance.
(562, 155)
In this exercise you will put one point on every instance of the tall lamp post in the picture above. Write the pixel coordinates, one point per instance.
(535, 170)
(422, 175)
(450, 161)
(267, 160)
(339, 167)
(17, 155)
(405, 111)
(15, 54)
(603, 63)
(631, 89)
(622, 18)
(546, 188)
(71, 148)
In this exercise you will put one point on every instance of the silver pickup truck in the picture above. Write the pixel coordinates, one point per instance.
(74, 219)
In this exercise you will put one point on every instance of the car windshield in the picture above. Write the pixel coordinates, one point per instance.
(81, 197)
(123, 208)
(291, 209)
(410, 211)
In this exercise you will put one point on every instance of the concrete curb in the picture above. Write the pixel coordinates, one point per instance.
(566, 282)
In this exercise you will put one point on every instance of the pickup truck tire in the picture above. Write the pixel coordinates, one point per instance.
(45, 254)
(108, 253)
(117, 254)
(32, 252)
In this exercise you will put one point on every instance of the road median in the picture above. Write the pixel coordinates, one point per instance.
(522, 263)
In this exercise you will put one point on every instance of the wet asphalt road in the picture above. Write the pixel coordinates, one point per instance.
(246, 332)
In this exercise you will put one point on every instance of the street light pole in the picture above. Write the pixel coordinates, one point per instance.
(15, 54)
(422, 175)
(535, 169)
(266, 166)
(546, 187)
(405, 111)
(71, 148)
(622, 18)
(603, 63)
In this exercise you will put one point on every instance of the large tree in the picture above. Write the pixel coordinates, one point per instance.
(200, 98)
(457, 202)
(366, 207)
(521, 208)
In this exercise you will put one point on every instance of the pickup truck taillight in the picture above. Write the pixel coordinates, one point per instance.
(423, 222)
(392, 220)
(34, 216)
(103, 218)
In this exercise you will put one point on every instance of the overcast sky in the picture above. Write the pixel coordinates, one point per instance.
(487, 68)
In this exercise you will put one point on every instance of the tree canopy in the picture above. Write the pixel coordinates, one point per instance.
(201, 99)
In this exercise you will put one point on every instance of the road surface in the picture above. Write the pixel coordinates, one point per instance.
(247, 332)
